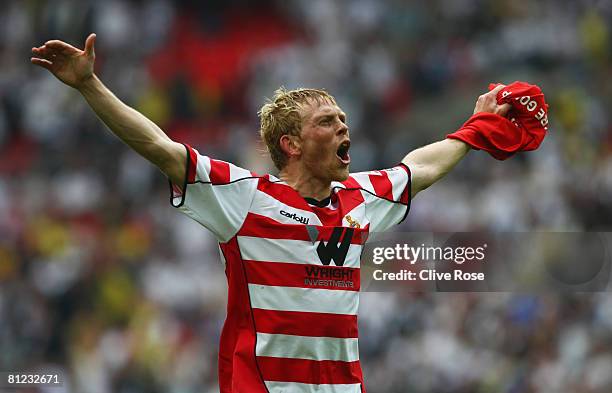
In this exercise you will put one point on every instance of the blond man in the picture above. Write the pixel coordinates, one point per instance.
(291, 243)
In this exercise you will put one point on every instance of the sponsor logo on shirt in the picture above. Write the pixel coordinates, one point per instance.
(337, 247)
(328, 276)
(296, 217)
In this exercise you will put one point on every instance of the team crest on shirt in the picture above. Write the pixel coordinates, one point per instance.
(352, 222)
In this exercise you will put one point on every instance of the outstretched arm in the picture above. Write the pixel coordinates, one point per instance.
(74, 67)
(430, 163)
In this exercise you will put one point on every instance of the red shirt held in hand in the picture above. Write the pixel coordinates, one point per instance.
(523, 129)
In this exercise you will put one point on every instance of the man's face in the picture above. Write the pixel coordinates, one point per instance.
(325, 141)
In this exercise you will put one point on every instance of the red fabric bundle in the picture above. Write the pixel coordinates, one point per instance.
(523, 129)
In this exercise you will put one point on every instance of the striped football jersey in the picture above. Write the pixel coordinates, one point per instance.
(292, 266)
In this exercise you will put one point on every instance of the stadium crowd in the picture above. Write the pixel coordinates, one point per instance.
(101, 277)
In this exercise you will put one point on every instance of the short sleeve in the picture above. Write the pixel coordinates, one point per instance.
(387, 195)
(215, 193)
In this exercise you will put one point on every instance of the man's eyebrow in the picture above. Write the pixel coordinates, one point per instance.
(323, 116)
(328, 115)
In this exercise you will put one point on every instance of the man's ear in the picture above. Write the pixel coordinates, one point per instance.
(290, 145)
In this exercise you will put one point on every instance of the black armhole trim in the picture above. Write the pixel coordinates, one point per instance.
(227, 183)
(184, 182)
(383, 198)
(409, 190)
(369, 192)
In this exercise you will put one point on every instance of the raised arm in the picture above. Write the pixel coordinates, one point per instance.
(430, 163)
(75, 67)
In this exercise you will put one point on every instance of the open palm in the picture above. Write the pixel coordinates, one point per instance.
(69, 64)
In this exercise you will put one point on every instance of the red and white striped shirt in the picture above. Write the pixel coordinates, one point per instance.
(292, 266)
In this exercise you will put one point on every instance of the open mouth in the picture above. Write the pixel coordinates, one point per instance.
(343, 152)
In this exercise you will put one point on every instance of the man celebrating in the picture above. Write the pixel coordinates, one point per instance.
(291, 244)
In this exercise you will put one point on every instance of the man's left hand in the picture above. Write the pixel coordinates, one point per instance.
(488, 103)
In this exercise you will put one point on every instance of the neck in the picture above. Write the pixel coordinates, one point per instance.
(307, 185)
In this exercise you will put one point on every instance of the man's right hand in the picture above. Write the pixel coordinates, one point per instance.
(69, 64)
(74, 67)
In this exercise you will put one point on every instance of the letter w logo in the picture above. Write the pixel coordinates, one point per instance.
(335, 248)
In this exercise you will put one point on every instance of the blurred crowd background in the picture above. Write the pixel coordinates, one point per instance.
(101, 277)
